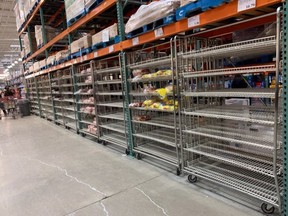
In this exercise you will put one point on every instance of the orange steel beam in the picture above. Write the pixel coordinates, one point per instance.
(219, 31)
(56, 14)
(98, 10)
(41, 2)
(211, 16)
(208, 17)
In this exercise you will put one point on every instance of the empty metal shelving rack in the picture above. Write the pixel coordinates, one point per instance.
(85, 100)
(109, 101)
(231, 134)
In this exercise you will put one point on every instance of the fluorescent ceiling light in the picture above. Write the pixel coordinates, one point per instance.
(16, 62)
(14, 45)
(13, 64)
(20, 60)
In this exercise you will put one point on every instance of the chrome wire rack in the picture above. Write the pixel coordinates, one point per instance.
(231, 135)
(109, 101)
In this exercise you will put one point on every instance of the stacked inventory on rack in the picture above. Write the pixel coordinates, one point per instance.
(109, 101)
(45, 99)
(200, 94)
(154, 105)
(33, 96)
(84, 93)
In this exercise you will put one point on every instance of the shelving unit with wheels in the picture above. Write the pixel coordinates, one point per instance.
(109, 101)
(153, 105)
(45, 98)
(56, 97)
(33, 96)
(232, 133)
(67, 98)
(85, 99)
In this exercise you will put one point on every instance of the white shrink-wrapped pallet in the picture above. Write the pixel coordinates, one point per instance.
(74, 8)
(26, 43)
(36, 66)
(19, 13)
(50, 34)
(106, 34)
(81, 43)
(61, 55)
(149, 13)
(51, 60)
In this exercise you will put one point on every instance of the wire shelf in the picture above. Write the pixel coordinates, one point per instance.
(237, 136)
(84, 84)
(67, 93)
(108, 70)
(87, 122)
(109, 93)
(166, 121)
(68, 100)
(104, 82)
(70, 117)
(116, 116)
(152, 63)
(231, 71)
(113, 104)
(164, 136)
(118, 127)
(150, 109)
(243, 114)
(251, 93)
(157, 152)
(154, 79)
(115, 138)
(85, 103)
(256, 185)
(253, 48)
(68, 108)
(256, 163)
(88, 133)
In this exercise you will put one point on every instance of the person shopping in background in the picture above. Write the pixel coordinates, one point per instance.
(2, 103)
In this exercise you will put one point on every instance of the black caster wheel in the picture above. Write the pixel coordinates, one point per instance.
(127, 152)
(83, 135)
(77, 132)
(104, 143)
(138, 156)
(267, 209)
(192, 178)
(178, 172)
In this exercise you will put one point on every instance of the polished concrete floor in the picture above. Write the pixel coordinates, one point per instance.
(47, 170)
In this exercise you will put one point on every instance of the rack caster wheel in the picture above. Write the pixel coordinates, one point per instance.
(138, 156)
(83, 135)
(266, 209)
(104, 143)
(192, 178)
(127, 152)
(178, 172)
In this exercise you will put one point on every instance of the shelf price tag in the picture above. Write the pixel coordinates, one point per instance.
(158, 32)
(246, 4)
(193, 21)
(111, 49)
(95, 54)
(135, 41)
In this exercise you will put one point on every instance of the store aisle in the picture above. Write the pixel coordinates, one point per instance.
(46, 170)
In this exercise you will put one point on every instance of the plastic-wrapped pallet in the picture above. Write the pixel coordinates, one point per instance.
(61, 55)
(74, 8)
(51, 60)
(106, 34)
(81, 43)
(36, 66)
(31, 69)
(150, 13)
(42, 63)
(19, 13)
(26, 43)
(184, 2)
(50, 34)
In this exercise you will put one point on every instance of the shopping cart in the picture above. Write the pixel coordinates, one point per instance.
(10, 105)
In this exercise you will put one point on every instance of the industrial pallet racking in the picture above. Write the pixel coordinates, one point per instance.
(193, 138)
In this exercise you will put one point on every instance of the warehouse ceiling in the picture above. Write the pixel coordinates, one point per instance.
(9, 42)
